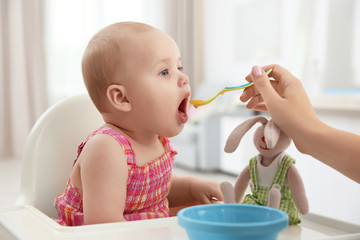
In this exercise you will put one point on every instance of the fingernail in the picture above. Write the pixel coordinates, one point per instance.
(256, 71)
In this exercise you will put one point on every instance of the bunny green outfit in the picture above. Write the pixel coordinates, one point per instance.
(260, 193)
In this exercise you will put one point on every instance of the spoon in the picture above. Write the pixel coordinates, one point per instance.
(197, 102)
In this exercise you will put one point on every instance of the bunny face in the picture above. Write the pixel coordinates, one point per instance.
(269, 140)
(264, 147)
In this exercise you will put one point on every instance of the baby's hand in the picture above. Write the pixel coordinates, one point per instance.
(206, 192)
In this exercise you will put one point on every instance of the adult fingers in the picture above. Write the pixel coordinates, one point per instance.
(263, 85)
(254, 101)
(279, 73)
(253, 91)
(249, 93)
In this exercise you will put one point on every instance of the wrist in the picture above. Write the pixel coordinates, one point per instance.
(309, 135)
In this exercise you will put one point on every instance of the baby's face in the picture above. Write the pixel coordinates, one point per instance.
(157, 88)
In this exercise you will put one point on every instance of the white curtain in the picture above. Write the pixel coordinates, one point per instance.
(183, 22)
(22, 73)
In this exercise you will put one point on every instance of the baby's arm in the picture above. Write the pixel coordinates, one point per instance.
(187, 189)
(104, 174)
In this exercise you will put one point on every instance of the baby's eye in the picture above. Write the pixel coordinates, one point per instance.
(164, 72)
(181, 68)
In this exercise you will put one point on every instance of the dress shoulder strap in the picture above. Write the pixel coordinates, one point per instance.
(124, 142)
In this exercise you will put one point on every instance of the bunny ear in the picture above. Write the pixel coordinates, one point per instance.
(237, 134)
(271, 134)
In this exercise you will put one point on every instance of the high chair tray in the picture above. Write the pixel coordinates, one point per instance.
(27, 222)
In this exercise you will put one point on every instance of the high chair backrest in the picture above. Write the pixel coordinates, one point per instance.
(51, 149)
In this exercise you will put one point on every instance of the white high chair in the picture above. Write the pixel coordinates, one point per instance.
(51, 149)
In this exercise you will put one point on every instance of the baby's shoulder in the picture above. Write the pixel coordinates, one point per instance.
(102, 143)
(102, 151)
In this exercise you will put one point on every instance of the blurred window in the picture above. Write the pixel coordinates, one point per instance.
(317, 40)
(69, 25)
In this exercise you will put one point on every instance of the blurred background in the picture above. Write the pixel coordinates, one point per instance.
(42, 42)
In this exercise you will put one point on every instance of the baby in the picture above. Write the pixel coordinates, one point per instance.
(123, 170)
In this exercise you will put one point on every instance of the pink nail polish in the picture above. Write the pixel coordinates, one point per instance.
(256, 71)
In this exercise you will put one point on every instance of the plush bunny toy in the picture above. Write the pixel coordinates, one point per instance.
(272, 176)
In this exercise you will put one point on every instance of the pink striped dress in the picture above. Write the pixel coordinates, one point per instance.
(147, 186)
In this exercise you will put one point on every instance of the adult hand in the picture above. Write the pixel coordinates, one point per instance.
(283, 97)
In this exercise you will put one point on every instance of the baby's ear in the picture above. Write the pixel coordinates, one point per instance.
(117, 96)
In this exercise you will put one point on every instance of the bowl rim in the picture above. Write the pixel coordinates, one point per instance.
(282, 222)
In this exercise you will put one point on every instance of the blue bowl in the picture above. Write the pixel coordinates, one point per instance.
(232, 221)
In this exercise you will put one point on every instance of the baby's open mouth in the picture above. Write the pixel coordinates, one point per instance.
(182, 110)
(183, 105)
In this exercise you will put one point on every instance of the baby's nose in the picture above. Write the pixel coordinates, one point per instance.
(183, 80)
